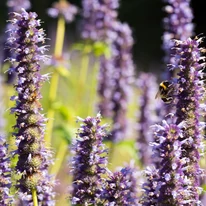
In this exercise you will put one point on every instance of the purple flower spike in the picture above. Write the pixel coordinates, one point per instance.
(13, 6)
(89, 162)
(116, 76)
(99, 20)
(65, 9)
(162, 185)
(123, 76)
(190, 106)
(5, 176)
(150, 195)
(100, 25)
(116, 72)
(178, 145)
(147, 115)
(120, 188)
(132, 175)
(33, 158)
(116, 190)
(105, 86)
(16, 5)
(178, 25)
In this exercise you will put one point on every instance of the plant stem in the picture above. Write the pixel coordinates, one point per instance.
(59, 37)
(10, 139)
(55, 78)
(50, 113)
(111, 152)
(59, 157)
(84, 69)
(34, 197)
(93, 88)
(82, 79)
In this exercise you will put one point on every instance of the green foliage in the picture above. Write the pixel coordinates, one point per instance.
(97, 48)
(63, 131)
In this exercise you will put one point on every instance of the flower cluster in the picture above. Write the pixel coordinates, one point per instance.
(105, 86)
(13, 6)
(16, 5)
(116, 71)
(150, 196)
(162, 185)
(132, 174)
(178, 25)
(173, 172)
(5, 183)
(99, 20)
(101, 24)
(120, 188)
(190, 106)
(30, 123)
(116, 189)
(63, 8)
(147, 115)
(178, 144)
(122, 77)
(89, 162)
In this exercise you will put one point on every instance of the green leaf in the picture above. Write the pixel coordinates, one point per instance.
(63, 131)
(66, 112)
(100, 48)
(204, 187)
(84, 47)
(78, 46)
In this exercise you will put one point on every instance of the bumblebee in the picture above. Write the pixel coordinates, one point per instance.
(165, 91)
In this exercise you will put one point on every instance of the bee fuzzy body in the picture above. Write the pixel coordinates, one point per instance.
(165, 91)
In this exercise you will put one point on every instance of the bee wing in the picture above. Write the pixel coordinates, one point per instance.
(157, 95)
